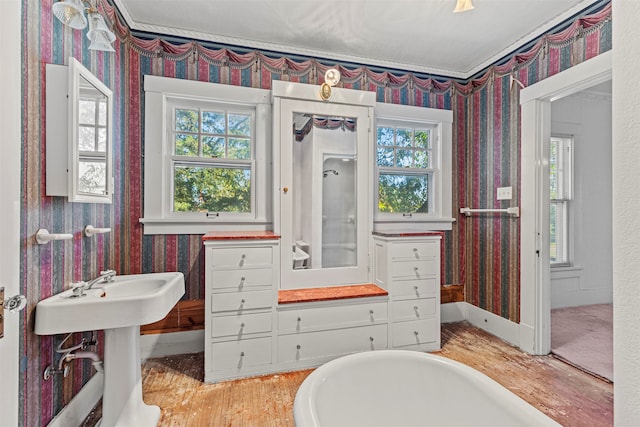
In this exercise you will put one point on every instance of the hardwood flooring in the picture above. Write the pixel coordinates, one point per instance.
(566, 394)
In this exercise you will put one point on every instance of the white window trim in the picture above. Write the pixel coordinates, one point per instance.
(440, 217)
(157, 218)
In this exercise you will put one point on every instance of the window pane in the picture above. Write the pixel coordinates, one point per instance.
(421, 159)
(239, 148)
(213, 122)
(240, 124)
(553, 169)
(87, 111)
(203, 189)
(187, 120)
(213, 146)
(404, 158)
(385, 136)
(186, 145)
(403, 193)
(86, 138)
(422, 138)
(553, 238)
(403, 138)
(385, 156)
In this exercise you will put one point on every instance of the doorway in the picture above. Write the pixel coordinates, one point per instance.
(535, 292)
(581, 251)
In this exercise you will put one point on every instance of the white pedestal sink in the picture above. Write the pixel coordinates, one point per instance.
(119, 308)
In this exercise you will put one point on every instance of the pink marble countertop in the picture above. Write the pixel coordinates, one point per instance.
(240, 235)
(290, 296)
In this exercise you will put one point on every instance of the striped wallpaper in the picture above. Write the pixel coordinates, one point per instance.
(481, 253)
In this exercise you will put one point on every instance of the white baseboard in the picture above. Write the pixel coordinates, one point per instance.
(81, 405)
(453, 312)
(159, 345)
(499, 326)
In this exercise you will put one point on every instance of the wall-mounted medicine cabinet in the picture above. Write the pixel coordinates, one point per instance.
(79, 134)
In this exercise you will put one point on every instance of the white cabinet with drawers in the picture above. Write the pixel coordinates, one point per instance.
(408, 266)
(241, 281)
(310, 334)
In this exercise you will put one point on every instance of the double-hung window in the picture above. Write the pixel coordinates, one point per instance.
(207, 157)
(561, 189)
(413, 166)
(212, 158)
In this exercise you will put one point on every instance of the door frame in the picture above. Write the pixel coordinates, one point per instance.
(535, 102)
(10, 144)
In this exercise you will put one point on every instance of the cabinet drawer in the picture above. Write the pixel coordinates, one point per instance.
(240, 324)
(240, 354)
(413, 309)
(240, 257)
(414, 269)
(416, 332)
(238, 301)
(239, 279)
(405, 289)
(309, 345)
(414, 250)
(329, 317)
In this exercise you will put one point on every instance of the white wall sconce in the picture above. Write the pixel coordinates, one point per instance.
(331, 78)
(463, 6)
(91, 231)
(43, 236)
(71, 14)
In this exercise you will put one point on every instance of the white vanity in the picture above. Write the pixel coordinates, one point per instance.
(322, 284)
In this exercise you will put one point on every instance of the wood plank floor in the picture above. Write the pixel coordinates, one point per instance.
(570, 396)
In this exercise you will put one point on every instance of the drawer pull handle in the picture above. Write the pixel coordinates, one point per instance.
(371, 312)
(415, 307)
(371, 339)
(299, 319)
(241, 325)
(415, 268)
(415, 249)
(242, 354)
(415, 333)
(243, 256)
(242, 279)
(242, 301)
(298, 347)
(415, 287)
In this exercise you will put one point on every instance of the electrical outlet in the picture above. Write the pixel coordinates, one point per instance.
(504, 193)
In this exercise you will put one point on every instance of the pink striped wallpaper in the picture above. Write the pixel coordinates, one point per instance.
(481, 253)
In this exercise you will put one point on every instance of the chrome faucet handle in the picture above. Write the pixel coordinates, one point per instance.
(78, 289)
(108, 275)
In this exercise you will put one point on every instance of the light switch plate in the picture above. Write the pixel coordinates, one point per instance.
(504, 193)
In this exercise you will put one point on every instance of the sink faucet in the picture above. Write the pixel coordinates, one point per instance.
(104, 277)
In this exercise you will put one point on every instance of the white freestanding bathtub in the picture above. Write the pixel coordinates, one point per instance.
(400, 388)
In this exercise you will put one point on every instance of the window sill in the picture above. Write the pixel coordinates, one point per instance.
(182, 226)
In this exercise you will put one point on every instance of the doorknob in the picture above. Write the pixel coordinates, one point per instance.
(13, 304)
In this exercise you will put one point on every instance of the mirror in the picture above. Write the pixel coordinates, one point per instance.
(79, 116)
(324, 167)
(324, 208)
(89, 128)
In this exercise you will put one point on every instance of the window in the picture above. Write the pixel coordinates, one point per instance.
(560, 186)
(207, 155)
(413, 158)
(212, 158)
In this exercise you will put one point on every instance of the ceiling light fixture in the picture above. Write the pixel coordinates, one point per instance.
(463, 6)
(331, 78)
(71, 14)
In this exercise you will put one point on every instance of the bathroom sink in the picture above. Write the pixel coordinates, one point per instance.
(130, 300)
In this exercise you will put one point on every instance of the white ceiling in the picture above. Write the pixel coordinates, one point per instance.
(414, 35)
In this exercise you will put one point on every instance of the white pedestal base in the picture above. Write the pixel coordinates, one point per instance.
(122, 404)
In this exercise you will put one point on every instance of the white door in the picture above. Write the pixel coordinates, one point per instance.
(10, 140)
